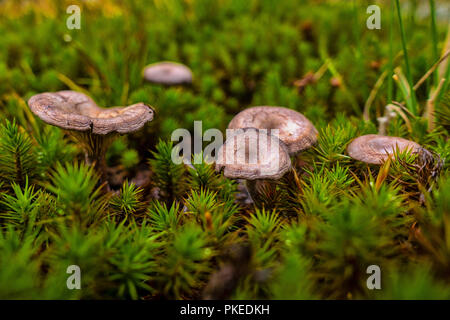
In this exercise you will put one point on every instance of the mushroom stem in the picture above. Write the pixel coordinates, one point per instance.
(96, 146)
(382, 124)
(257, 190)
(252, 189)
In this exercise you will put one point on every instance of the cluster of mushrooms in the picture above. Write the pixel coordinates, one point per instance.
(96, 127)
(295, 134)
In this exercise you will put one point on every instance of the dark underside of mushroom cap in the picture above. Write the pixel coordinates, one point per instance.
(376, 149)
(295, 130)
(73, 110)
(168, 73)
(253, 154)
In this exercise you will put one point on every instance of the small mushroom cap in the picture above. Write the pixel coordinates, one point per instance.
(168, 73)
(295, 130)
(73, 110)
(253, 154)
(376, 149)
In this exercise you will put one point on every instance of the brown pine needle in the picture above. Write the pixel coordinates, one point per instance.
(432, 69)
(429, 110)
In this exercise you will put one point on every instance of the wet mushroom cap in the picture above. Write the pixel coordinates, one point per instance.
(73, 110)
(295, 130)
(376, 149)
(253, 154)
(168, 73)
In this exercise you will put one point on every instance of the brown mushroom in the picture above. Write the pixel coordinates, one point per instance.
(253, 154)
(168, 73)
(94, 127)
(295, 130)
(376, 149)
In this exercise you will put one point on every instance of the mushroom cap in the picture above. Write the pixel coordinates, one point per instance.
(73, 110)
(376, 149)
(168, 73)
(253, 154)
(295, 130)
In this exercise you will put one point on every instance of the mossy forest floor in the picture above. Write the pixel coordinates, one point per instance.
(169, 231)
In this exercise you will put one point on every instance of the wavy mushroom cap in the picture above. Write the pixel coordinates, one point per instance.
(253, 154)
(376, 149)
(168, 73)
(73, 110)
(295, 130)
